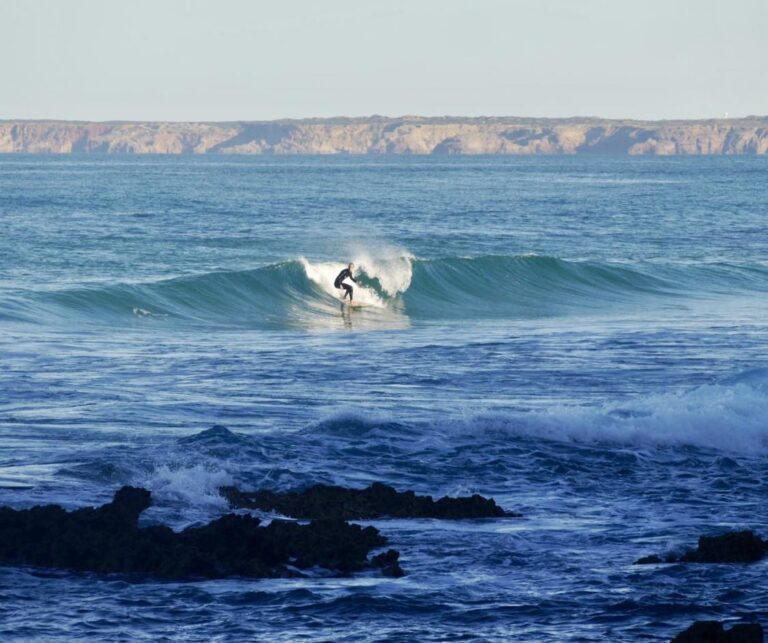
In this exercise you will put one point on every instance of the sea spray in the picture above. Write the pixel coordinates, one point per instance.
(323, 275)
(390, 267)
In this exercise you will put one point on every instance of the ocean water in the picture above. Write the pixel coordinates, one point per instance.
(581, 338)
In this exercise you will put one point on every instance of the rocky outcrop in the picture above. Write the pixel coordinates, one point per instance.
(733, 547)
(714, 632)
(108, 539)
(405, 135)
(376, 501)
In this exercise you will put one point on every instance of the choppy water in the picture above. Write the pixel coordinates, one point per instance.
(583, 339)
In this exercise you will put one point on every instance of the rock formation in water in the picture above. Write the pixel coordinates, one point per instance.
(733, 547)
(380, 135)
(376, 501)
(108, 539)
(714, 632)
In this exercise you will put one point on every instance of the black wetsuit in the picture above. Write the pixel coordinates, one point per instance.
(344, 274)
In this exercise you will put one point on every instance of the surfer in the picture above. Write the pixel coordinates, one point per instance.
(340, 281)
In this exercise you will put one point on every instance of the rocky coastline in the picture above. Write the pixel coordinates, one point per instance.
(109, 539)
(377, 135)
(305, 532)
(328, 502)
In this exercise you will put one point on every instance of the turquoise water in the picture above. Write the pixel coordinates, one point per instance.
(581, 338)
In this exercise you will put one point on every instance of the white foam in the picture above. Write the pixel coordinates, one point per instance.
(193, 485)
(729, 416)
(391, 267)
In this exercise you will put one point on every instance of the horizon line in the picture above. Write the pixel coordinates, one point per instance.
(374, 117)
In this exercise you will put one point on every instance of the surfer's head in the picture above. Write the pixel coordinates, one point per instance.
(351, 265)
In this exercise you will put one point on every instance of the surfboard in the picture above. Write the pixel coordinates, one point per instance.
(354, 303)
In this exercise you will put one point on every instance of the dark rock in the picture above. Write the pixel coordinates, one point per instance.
(393, 571)
(733, 547)
(746, 633)
(649, 560)
(714, 632)
(108, 539)
(377, 501)
(389, 563)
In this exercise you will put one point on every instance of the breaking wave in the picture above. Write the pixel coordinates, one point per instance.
(300, 293)
(726, 415)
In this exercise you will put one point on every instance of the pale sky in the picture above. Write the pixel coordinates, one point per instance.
(267, 59)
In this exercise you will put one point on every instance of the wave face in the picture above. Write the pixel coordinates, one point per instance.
(300, 293)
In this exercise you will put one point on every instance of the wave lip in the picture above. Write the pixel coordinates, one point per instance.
(300, 294)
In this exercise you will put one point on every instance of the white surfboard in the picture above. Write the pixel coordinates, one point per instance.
(354, 303)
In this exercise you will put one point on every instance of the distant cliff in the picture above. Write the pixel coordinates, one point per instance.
(379, 135)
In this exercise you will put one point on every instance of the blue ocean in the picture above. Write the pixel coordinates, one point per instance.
(583, 339)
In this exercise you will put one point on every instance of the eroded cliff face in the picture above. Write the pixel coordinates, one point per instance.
(377, 135)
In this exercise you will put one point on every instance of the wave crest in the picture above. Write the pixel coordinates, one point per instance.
(395, 285)
(727, 415)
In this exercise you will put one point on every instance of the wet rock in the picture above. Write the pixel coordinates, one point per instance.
(649, 560)
(733, 547)
(714, 632)
(389, 563)
(377, 501)
(109, 539)
(656, 560)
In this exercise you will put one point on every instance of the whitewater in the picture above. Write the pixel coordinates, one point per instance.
(582, 339)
